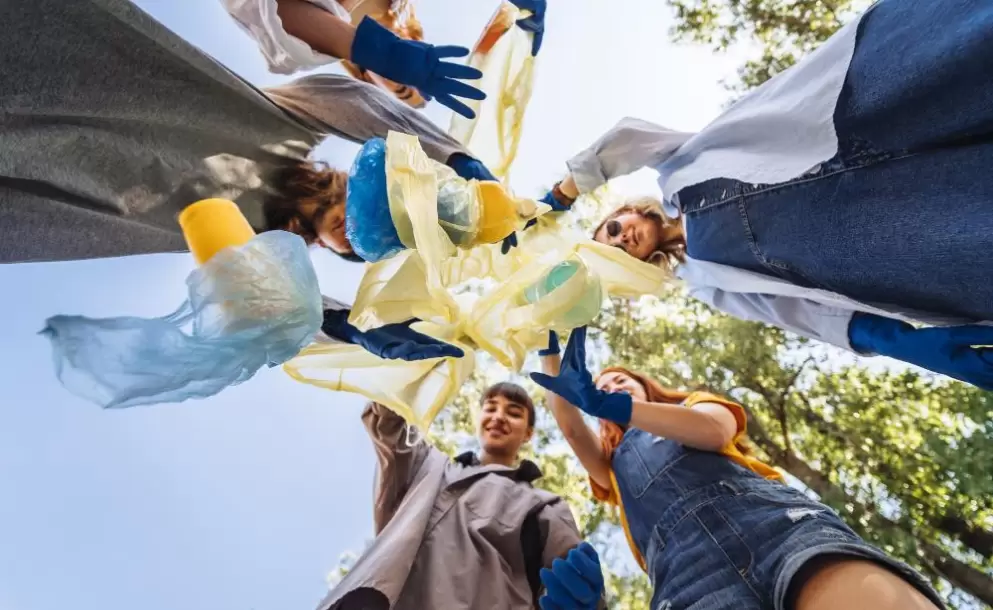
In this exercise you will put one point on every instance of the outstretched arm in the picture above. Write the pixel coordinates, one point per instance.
(398, 460)
(707, 425)
(629, 146)
(577, 433)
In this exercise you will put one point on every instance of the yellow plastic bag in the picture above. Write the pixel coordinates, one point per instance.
(503, 54)
(556, 293)
(416, 391)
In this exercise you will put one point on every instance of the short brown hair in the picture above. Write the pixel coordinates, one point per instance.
(515, 394)
(667, 253)
(304, 193)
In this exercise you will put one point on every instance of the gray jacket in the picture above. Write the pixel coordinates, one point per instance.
(448, 532)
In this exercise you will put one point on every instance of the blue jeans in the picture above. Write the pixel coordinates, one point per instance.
(903, 215)
(717, 536)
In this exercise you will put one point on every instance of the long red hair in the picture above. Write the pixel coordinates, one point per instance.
(611, 434)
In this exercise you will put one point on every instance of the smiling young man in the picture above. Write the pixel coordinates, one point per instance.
(464, 534)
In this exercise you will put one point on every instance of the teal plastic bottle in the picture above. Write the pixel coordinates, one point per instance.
(586, 306)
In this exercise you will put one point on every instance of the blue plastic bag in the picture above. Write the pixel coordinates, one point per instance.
(251, 306)
(368, 223)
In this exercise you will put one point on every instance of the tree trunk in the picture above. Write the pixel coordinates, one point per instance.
(973, 537)
(959, 574)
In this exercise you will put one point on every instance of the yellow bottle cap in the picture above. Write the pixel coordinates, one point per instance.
(211, 225)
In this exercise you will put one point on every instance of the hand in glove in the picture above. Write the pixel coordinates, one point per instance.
(535, 23)
(575, 384)
(949, 350)
(391, 342)
(573, 583)
(417, 64)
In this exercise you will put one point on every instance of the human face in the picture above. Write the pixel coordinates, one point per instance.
(632, 232)
(330, 228)
(503, 427)
(616, 382)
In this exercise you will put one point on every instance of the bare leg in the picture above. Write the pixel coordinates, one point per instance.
(831, 583)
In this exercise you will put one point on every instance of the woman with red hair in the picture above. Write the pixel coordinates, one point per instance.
(712, 526)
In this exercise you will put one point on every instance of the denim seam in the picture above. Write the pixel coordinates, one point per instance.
(751, 556)
(653, 478)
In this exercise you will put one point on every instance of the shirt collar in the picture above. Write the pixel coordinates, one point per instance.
(526, 472)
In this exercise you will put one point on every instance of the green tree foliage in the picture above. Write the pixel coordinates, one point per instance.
(902, 456)
(783, 30)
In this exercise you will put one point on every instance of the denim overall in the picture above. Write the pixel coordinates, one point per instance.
(903, 215)
(717, 536)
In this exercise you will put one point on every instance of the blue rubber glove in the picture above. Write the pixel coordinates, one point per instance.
(573, 583)
(417, 64)
(392, 342)
(535, 23)
(947, 350)
(575, 384)
(468, 168)
(554, 203)
(553, 345)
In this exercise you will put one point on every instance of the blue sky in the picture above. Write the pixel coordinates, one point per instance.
(245, 501)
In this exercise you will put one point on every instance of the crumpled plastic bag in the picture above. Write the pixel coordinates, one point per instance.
(503, 54)
(249, 306)
(379, 224)
(416, 391)
(368, 223)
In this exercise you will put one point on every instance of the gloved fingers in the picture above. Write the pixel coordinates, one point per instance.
(450, 86)
(456, 106)
(972, 334)
(587, 563)
(530, 24)
(427, 97)
(553, 344)
(508, 242)
(587, 549)
(559, 591)
(450, 51)
(536, 43)
(546, 603)
(574, 581)
(575, 350)
(411, 351)
(554, 385)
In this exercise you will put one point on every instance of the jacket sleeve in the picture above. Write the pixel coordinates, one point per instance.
(283, 52)
(559, 530)
(629, 146)
(357, 111)
(398, 458)
(800, 316)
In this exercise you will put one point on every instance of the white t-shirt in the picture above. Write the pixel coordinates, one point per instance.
(285, 54)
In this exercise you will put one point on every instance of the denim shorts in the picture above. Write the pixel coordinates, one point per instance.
(741, 544)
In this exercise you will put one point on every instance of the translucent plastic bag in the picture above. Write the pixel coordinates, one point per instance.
(556, 293)
(249, 306)
(413, 184)
(503, 54)
(381, 203)
(416, 391)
